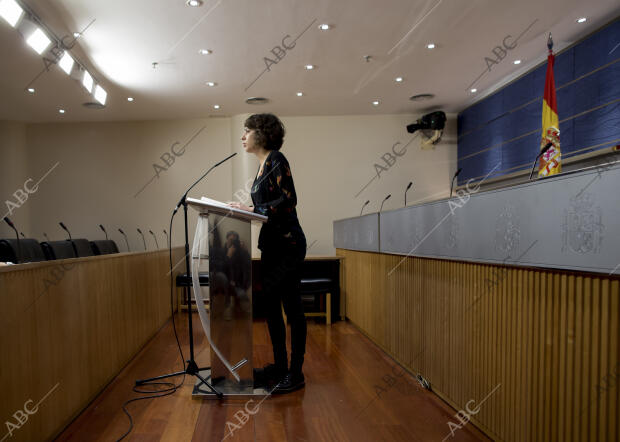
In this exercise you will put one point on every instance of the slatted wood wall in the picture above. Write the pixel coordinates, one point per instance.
(547, 340)
(68, 327)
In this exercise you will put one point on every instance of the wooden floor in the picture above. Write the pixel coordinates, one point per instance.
(353, 392)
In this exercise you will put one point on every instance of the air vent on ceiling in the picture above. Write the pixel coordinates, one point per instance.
(257, 100)
(422, 97)
(93, 105)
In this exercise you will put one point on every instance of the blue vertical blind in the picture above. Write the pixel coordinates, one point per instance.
(503, 131)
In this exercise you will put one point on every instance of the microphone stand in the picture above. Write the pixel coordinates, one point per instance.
(70, 239)
(156, 244)
(542, 152)
(191, 368)
(125, 236)
(143, 240)
(19, 247)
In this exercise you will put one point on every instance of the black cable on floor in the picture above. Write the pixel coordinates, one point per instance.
(172, 388)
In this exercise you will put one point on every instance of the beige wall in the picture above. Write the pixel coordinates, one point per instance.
(102, 166)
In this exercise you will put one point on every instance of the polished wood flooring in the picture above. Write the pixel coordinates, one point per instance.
(354, 392)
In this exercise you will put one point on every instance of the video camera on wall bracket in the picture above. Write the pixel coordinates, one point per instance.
(432, 126)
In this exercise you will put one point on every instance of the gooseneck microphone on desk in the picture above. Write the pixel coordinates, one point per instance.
(156, 244)
(384, 200)
(19, 247)
(453, 178)
(191, 367)
(542, 152)
(46, 237)
(103, 228)
(126, 242)
(406, 190)
(22, 234)
(365, 204)
(143, 240)
(166, 233)
(70, 239)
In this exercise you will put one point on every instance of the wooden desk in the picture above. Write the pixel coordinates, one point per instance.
(69, 327)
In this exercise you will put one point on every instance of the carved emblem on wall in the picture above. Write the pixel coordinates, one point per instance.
(582, 230)
(507, 230)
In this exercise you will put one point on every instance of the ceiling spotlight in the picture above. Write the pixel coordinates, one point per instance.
(517, 62)
(194, 3)
(398, 79)
(581, 20)
(11, 11)
(87, 82)
(309, 67)
(66, 63)
(62, 111)
(324, 27)
(430, 46)
(100, 94)
(300, 94)
(216, 106)
(205, 51)
(375, 103)
(30, 90)
(211, 84)
(130, 99)
(38, 41)
(474, 90)
(76, 35)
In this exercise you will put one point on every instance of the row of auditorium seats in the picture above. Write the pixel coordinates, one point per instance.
(30, 250)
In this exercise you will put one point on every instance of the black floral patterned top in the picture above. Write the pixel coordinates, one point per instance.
(273, 194)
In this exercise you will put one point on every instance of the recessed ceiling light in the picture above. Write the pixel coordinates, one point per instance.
(517, 62)
(66, 63)
(324, 27)
(309, 67)
(87, 82)
(100, 94)
(300, 94)
(62, 111)
(430, 46)
(398, 79)
(581, 20)
(205, 51)
(375, 103)
(38, 41)
(474, 90)
(211, 84)
(31, 90)
(11, 11)
(216, 106)
(130, 99)
(194, 3)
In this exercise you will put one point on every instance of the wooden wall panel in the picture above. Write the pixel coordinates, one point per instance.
(74, 328)
(547, 339)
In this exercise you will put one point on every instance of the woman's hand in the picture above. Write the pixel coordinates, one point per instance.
(237, 205)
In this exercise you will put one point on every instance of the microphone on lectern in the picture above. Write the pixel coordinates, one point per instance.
(542, 152)
(126, 242)
(103, 228)
(384, 200)
(453, 178)
(143, 240)
(156, 244)
(166, 233)
(365, 204)
(406, 190)
(19, 247)
(65, 229)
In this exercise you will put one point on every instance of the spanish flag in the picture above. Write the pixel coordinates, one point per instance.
(551, 161)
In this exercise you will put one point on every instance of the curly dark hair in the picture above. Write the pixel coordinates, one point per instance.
(269, 130)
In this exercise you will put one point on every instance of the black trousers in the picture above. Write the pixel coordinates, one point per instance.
(281, 277)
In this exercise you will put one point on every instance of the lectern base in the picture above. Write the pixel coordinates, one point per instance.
(231, 389)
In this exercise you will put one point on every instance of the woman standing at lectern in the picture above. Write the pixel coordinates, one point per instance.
(283, 246)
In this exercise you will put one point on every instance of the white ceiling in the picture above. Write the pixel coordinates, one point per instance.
(128, 36)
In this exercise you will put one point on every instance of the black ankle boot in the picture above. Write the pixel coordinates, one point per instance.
(268, 376)
(291, 382)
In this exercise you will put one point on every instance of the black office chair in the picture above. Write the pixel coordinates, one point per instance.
(58, 250)
(104, 247)
(31, 250)
(83, 248)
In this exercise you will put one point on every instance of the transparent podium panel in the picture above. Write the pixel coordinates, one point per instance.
(230, 290)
